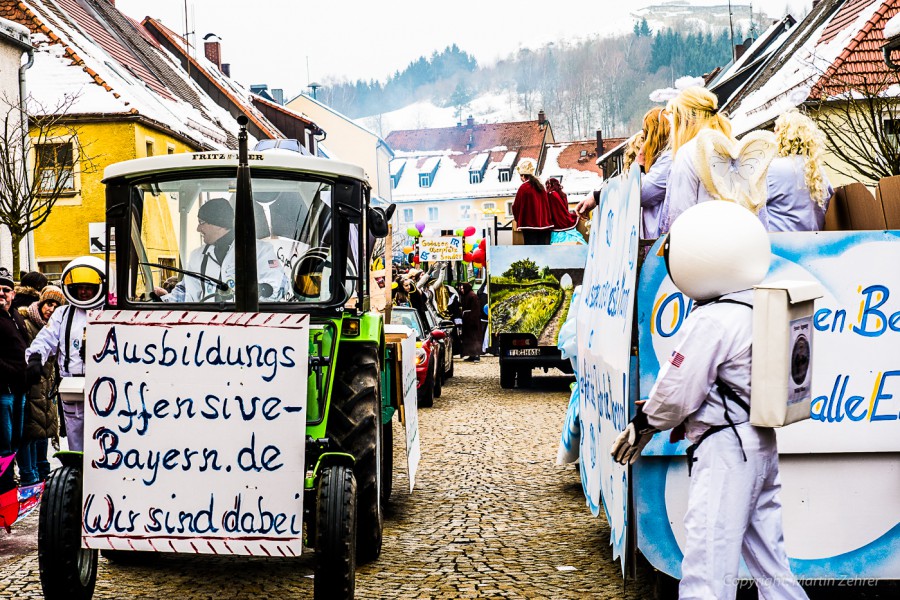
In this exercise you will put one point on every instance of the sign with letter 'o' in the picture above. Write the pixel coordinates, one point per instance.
(194, 432)
(441, 248)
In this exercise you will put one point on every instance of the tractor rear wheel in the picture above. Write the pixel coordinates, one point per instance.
(335, 575)
(354, 425)
(67, 571)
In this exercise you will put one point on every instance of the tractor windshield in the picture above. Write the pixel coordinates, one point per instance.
(182, 235)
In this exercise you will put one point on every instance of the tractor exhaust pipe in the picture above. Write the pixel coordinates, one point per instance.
(246, 292)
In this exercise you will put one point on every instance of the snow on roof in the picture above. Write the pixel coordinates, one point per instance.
(71, 67)
(479, 161)
(803, 64)
(573, 163)
(508, 160)
(892, 27)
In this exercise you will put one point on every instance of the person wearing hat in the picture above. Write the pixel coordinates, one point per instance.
(29, 289)
(531, 208)
(63, 337)
(41, 411)
(12, 378)
(214, 261)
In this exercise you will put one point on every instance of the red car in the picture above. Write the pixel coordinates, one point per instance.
(428, 377)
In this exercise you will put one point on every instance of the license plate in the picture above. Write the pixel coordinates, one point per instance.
(524, 352)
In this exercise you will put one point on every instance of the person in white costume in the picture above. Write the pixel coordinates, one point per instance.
(716, 252)
(214, 261)
(64, 336)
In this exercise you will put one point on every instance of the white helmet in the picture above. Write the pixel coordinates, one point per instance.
(715, 248)
(82, 282)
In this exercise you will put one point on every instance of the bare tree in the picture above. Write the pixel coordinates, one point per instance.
(860, 117)
(39, 155)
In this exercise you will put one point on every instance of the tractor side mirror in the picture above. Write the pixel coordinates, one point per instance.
(379, 218)
(438, 334)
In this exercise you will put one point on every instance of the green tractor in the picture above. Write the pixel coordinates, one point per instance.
(197, 246)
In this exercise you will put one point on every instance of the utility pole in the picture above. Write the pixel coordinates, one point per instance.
(731, 26)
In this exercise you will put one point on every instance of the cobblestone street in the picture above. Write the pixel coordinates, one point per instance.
(491, 517)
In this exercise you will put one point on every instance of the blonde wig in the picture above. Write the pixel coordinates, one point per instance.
(656, 135)
(797, 134)
(695, 108)
(632, 149)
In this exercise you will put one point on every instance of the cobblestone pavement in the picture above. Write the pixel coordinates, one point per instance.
(491, 517)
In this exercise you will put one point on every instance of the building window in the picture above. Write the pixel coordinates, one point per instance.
(891, 129)
(488, 206)
(474, 177)
(170, 149)
(432, 213)
(56, 166)
(424, 180)
(509, 208)
(505, 175)
(407, 215)
(148, 143)
(464, 211)
(52, 269)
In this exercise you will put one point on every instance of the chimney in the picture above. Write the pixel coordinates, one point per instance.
(599, 143)
(470, 121)
(542, 118)
(278, 95)
(212, 48)
(226, 69)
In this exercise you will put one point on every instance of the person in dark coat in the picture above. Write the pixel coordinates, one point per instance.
(564, 220)
(531, 208)
(42, 410)
(12, 378)
(29, 289)
(471, 323)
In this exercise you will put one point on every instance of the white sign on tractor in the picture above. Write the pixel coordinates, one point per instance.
(194, 432)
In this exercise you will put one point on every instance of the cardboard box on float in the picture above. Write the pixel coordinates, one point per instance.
(781, 378)
(71, 389)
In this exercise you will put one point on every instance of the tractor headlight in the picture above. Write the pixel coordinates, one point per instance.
(421, 355)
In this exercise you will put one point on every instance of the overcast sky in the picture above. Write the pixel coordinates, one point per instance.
(273, 41)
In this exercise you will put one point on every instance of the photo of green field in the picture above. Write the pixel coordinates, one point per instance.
(531, 288)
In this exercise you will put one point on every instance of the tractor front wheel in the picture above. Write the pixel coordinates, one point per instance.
(67, 570)
(354, 425)
(335, 575)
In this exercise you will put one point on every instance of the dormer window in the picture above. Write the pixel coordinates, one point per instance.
(505, 175)
(474, 177)
(425, 180)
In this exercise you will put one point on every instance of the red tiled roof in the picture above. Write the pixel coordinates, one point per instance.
(177, 43)
(99, 32)
(862, 61)
(485, 137)
(572, 158)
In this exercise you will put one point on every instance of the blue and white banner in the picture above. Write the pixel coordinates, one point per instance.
(604, 324)
(839, 469)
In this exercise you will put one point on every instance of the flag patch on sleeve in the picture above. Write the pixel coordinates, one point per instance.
(273, 264)
(676, 359)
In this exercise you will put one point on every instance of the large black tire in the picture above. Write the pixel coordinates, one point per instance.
(425, 394)
(335, 575)
(507, 377)
(387, 461)
(68, 572)
(354, 425)
(439, 373)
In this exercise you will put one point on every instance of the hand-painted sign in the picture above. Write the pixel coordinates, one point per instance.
(846, 451)
(604, 324)
(409, 399)
(441, 248)
(193, 432)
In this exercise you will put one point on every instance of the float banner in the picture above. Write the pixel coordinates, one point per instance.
(441, 248)
(194, 432)
(604, 324)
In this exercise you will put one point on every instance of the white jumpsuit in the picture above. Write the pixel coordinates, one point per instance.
(733, 506)
(51, 341)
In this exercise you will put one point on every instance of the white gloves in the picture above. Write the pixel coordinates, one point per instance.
(637, 434)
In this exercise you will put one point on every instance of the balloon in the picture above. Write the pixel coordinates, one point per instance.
(469, 231)
(416, 259)
(467, 257)
(459, 232)
(408, 249)
(483, 244)
(477, 265)
(420, 226)
(468, 247)
(478, 255)
(413, 232)
(427, 231)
